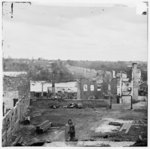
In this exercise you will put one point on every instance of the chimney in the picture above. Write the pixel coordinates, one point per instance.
(134, 65)
(114, 74)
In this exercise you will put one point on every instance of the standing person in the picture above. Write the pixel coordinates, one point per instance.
(70, 131)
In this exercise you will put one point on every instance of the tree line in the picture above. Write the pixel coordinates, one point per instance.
(41, 69)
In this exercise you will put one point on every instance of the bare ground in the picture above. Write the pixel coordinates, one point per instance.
(91, 123)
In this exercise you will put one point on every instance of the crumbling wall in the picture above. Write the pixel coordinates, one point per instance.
(11, 121)
(89, 89)
(8, 97)
(136, 77)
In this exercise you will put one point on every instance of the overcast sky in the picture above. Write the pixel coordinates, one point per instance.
(106, 32)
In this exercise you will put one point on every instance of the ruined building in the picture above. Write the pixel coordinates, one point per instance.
(136, 80)
(83, 88)
(15, 106)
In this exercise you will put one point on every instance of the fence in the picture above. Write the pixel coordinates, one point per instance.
(11, 120)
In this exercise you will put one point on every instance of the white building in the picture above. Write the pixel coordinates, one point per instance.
(9, 100)
(14, 73)
(123, 84)
(42, 87)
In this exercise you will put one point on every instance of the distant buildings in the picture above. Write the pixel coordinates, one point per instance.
(83, 88)
(101, 85)
(14, 73)
(123, 84)
(127, 87)
(45, 89)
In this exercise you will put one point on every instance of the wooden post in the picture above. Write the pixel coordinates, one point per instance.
(110, 102)
(78, 89)
(131, 103)
(42, 88)
(120, 101)
(53, 84)
(109, 92)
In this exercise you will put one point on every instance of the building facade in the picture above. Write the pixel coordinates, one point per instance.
(136, 80)
(45, 89)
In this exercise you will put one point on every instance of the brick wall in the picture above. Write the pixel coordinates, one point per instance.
(89, 89)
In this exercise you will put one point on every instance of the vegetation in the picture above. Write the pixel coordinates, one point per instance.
(109, 66)
(41, 69)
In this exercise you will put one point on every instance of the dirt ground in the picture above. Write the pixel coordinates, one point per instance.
(92, 124)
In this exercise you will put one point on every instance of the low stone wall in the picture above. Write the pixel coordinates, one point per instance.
(40, 103)
(11, 120)
(142, 98)
(126, 99)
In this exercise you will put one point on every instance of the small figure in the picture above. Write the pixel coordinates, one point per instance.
(70, 131)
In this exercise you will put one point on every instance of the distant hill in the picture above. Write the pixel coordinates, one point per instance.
(61, 71)
(81, 72)
(108, 65)
(111, 65)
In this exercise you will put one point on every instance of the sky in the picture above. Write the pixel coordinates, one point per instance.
(109, 32)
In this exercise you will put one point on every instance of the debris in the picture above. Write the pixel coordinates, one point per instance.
(48, 141)
(35, 114)
(80, 105)
(91, 139)
(115, 124)
(104, 145)
(140, 137)
(105, 136)
(74, 105)
(105, 127)
(18, 141)
(123, 126)
(43, 127)
(54, 106)
(140, 142)
(26, 120)
(41, 143)
(116, 140)
(126, 127)
(36, 142)
(140, 122)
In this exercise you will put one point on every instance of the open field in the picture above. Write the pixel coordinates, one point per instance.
(92, 124)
